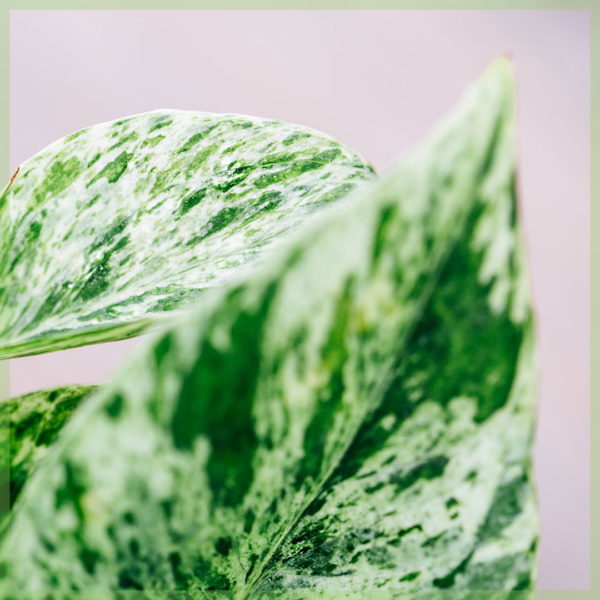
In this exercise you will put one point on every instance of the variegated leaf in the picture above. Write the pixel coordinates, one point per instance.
(436, 490)
(329, 414)
(107, 228)
(29, 425)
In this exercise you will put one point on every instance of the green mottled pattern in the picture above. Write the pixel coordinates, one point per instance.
(436, 490)
(29, 425)
(296, 594)
(322, 403)
(109, 227)
(383, 593)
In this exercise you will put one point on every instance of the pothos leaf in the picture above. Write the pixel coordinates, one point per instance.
(109, 227)
(355, 414)
(436, 489)
(29, 424)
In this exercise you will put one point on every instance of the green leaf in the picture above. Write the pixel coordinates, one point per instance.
(107, 228)
(356, 414)
(29, 424)
(436, 489)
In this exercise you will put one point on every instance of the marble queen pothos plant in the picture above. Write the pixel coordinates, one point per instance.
(327, 410)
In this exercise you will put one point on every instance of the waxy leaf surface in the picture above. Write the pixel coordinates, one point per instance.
(355, 415)
(108, 228)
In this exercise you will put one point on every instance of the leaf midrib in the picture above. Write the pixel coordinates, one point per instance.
(250, 587)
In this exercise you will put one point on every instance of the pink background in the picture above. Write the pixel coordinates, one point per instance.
(376, 80)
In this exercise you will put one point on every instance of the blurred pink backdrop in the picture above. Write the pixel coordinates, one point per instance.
(377, 80)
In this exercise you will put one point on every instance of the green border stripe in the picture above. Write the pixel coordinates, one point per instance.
(305, 5)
